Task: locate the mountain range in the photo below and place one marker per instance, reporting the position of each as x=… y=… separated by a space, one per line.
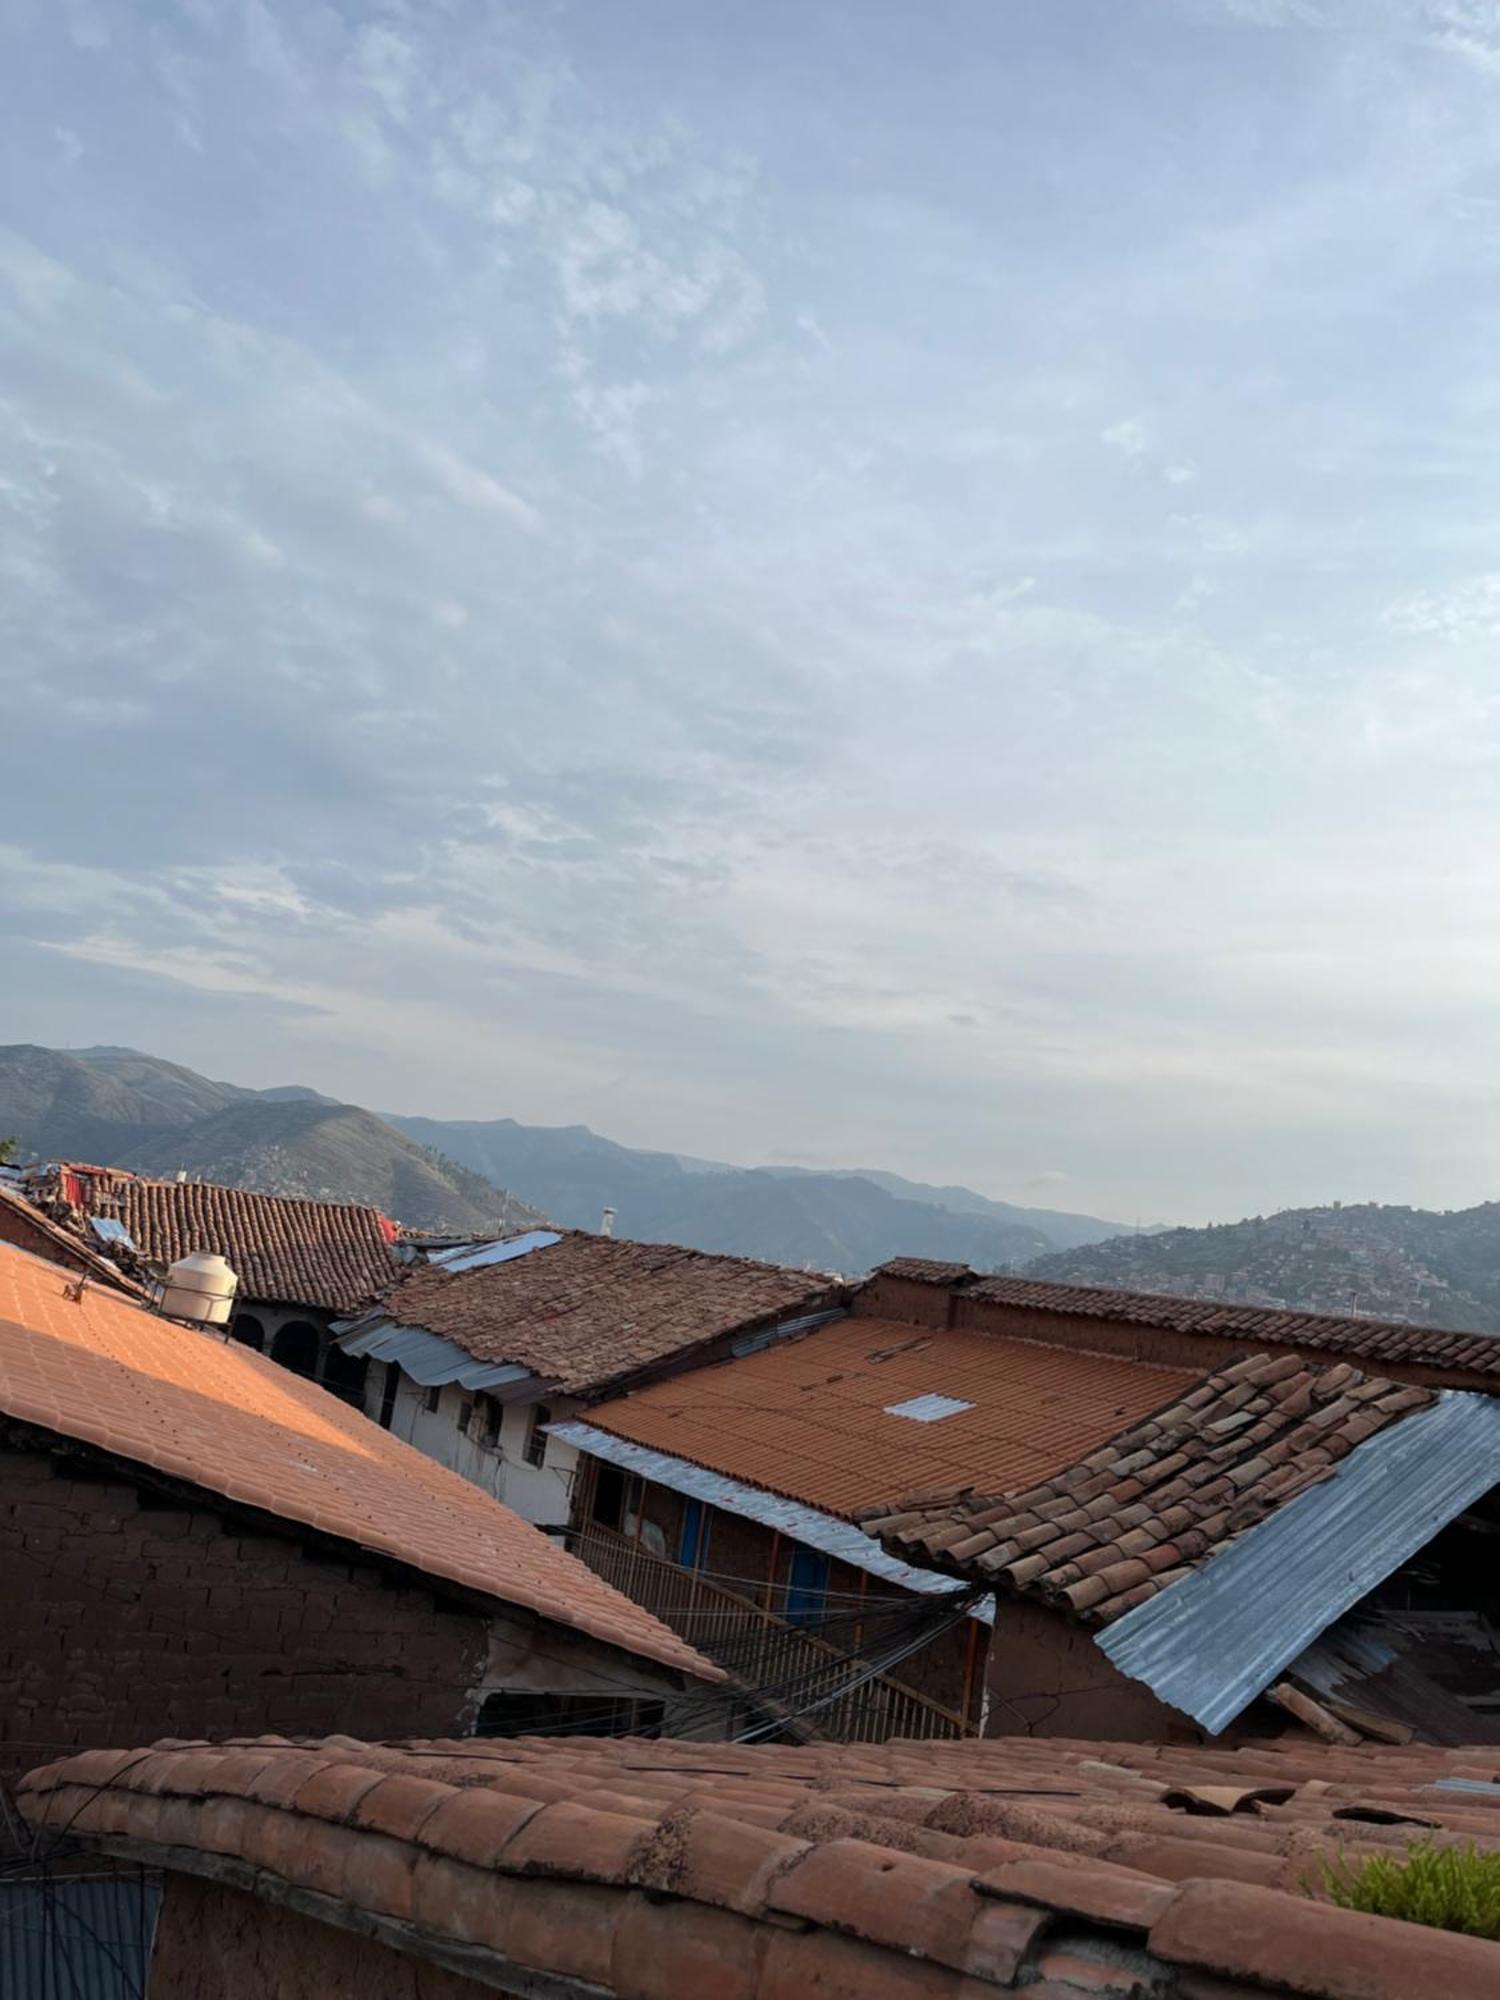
x=842 y=1221
x=118 y=1107
x=1431 y=1267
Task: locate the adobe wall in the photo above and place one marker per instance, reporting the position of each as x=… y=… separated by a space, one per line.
x=125 y=1616
x=16 y=1227
x=1046 y=1677
x=906 y=1299
x=218 y=1941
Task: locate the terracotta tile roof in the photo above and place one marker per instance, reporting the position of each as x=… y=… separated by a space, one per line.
x=333 y=1256
x=910 y=1871
x=1159 y=1498
x=810 y=1417
x=209 y=1411
x=1332 y=1333
x=925 y=1270
x=587 y=1310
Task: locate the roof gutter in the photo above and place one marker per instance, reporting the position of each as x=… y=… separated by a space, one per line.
x=825 y=1532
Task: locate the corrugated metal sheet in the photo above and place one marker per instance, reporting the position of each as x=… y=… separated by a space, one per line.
x=430 y=1360
x=783 y=1329
x=788 y=1517
x=71 y=1939
x=1211 y=1643
x=473 y=1256
x=110 y=1229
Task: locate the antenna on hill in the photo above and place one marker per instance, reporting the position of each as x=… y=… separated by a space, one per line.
x=607 y=1223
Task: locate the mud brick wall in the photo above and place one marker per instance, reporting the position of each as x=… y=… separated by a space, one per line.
x=126 y=1616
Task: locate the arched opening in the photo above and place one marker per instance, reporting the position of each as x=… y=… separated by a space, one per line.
x=344 y=1375
x=247 y=1328
x=296 y=1347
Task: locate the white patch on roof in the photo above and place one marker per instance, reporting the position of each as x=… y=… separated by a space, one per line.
x=928 y=1409
x=110 y=1230
x=474 y=1256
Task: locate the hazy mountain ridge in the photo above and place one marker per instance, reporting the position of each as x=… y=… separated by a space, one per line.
x=117 y=1108
x=843 y=1221
x=1434 y=1268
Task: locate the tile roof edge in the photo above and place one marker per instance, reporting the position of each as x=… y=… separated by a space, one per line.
x=479 y=1856
x=1180 y=1299
x=675 y=1654
x=575 y=1430
x=102 y=1268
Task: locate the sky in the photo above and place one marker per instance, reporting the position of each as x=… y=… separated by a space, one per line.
x=836 y=582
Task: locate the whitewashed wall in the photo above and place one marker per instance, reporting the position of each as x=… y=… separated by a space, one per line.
x=542 y=1494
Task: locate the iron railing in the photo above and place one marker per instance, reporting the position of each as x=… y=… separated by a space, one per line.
x=766 y=1653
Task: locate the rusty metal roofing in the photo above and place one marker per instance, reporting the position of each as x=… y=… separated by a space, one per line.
x=1126 y=1521
x=829 y=1533
x=810 y=1418
x=198 y=1408
x=932 y=1871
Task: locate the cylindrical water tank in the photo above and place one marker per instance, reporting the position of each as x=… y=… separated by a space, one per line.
x=199 y=1287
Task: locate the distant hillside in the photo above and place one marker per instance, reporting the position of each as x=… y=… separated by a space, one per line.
x=118 y=1108
x=1432 y=1268
x=86 y=1104
x=1061 y=1229
x=837 y=1222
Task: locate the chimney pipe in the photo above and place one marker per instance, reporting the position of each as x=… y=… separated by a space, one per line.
x=607 y=1223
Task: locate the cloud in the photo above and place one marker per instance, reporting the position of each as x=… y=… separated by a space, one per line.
x=1128 y=436
x=544 y=573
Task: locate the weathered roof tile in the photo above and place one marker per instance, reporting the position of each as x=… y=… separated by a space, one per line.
x=587 y=1310
x=1168 y=1492
x=1056 y=1868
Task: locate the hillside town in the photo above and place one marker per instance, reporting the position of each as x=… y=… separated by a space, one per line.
x=559 y=1606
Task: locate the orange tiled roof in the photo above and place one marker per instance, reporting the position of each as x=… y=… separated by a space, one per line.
x=208 y=1411
x=1163 y=1496
x=910 y=1871
x=1372 y=1340
x=588 y=1310
x=808 y=1417
x=333 y=1256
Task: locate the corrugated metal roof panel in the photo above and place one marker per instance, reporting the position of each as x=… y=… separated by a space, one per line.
x=1211 y=1643
x=788 y=1517
x=77 y=1939
x=783 y=1329
x=430 y=1360
x=109 y=1229
x=474 y=1256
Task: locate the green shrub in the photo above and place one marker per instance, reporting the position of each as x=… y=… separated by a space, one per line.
x=1449 y=1888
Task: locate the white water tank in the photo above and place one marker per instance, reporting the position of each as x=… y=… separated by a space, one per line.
x=199 y=1287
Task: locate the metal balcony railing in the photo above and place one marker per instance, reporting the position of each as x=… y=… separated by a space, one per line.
x=766 y=1652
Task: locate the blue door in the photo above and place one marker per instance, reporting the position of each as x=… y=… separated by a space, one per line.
x=807 y=1588
x=692 y=1543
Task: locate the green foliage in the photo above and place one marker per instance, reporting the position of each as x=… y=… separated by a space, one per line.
x=1448 y=1888
x=8 y=1150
